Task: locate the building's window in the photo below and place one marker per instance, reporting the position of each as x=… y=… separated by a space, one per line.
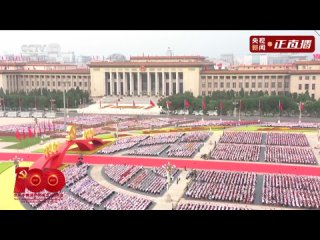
x=273 y=85
x=221 y=77
x=203 y=77
x=53 y=84
x=74 y=84
x=58 y=83
x=313 y=86
x=209 y=84
x=209 y=93
x=253 y=85
x=279 y=84
x=80 y=84
x=234 y=77
x=246 y=77
x=240 y=84
x=209 y=77
x=247 y=85
x=228 y=85
x=286 y=84
x=266 y=77
x=259 y=84
x=27 y=83
x=21 y=83
x=313 y=77
x=86 y=84
x=42 y=83
x=306 y=77
x=215 y=85
x=259 y=77
x=79 y=77
x=273 y=77
x=32 y=83
x=234 y=85
x=203 y=93
x=253 y=77
x=300 y=86
x=240 y=77
x=203 y=85
x=215 y=77
x=306 y=87
x=69 y=84
x=279 y=77
x=312 y=95
x=41 y=76
x=266 y=84
x=48 y=83
x=37 y=83
x=227 y=77
x=221 y=85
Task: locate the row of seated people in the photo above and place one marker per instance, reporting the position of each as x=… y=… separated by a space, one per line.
x=242 y=137
x=223 y=186
x=184 y=149
x=68 y=202
x=291 y=191
x=74 y=173
x=291 y=124
x=127 y=202
x=162 y=172
x=113 y=148
x=236 y=152
x=195 y=137
x=131 y=139
x=121 y=174
x=161 y=139
x=290 y=155
x=216 y=123
x=90 y=191
x=89 y=120
x=154 y=150
x=287 y=139
x=148 y=182
x=205 y=206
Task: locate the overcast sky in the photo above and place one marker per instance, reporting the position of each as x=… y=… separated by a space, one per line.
x=130 y=43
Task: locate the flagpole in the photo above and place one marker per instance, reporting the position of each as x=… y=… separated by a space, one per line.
x=300 y=113
x=259 y=111
x=239 y=110
x=279 y=113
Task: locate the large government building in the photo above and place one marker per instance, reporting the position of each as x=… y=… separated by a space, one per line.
x=162 y=76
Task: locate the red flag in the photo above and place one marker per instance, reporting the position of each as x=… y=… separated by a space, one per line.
x=186 y=104
x=34 y=131
x=241 y=105
x=133 y=103
x=23 y=134
x=29 y=132
x=301 y=106
x=40 y=132
x=152 y=103
x=169 y=104
x=280 y=106
x=221 y=105
x=204 y=104
x=18 y=136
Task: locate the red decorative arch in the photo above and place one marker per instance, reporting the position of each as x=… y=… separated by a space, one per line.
x=55 y=160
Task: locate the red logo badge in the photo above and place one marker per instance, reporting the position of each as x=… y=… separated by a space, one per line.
x=282 y=44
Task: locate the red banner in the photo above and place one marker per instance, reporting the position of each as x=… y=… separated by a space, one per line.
x=282 y=44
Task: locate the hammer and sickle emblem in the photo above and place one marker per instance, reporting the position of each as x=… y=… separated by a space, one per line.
x=23 y=174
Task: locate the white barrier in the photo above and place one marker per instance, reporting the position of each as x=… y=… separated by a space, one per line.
x=25 y=114
x=37 y=114
x=12 y=114
x=50 y=115
x=2 y=114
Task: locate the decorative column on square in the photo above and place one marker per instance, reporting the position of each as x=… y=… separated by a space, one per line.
x=170 y=84
x=118 y=85
x=131 y=84
x=177 y=82
x=139 y=84
x=125 y=87
x=157 y=84
x=148 y=83
x=111 y=84
x=163 y=84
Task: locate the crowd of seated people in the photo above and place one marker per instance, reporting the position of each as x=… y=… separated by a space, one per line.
x=236 y=152
x=148 y=182
x=195 y=137
x=68 y=202
x=113 y=148
x=291 y=191
x=154 y=150
x=205 y=206
x=287 y=139
x=216 y=123
x=90 y=191
x=185 y=149
x=74 y=173
x=131 y=139
x=90 y=120
x=162 y=172
x=242 y=137
x=223 y=186
x=161 y=139
x=127 y=202
x=292 y=124
x=121 y=174
x=294 y=155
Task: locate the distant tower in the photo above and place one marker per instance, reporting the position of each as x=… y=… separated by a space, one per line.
x=169 y=52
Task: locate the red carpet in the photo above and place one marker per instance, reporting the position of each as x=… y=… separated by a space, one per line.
x=181 y=163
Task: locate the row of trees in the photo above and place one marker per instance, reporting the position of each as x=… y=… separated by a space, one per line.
x=42 y=99
x=269 y=104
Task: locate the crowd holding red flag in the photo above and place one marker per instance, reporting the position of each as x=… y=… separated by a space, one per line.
x=301 y=106
x=30 y=135
x=204 y=104
x=18 y=136
x=280 y=106
x=221 y=105
x=169 y=104
x=186 y=104
x=152 y=103
x=23 y=134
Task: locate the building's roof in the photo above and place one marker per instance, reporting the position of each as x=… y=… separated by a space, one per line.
x=234 y=72
x=149 y=64
x=63 y=71
x=165 y=57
